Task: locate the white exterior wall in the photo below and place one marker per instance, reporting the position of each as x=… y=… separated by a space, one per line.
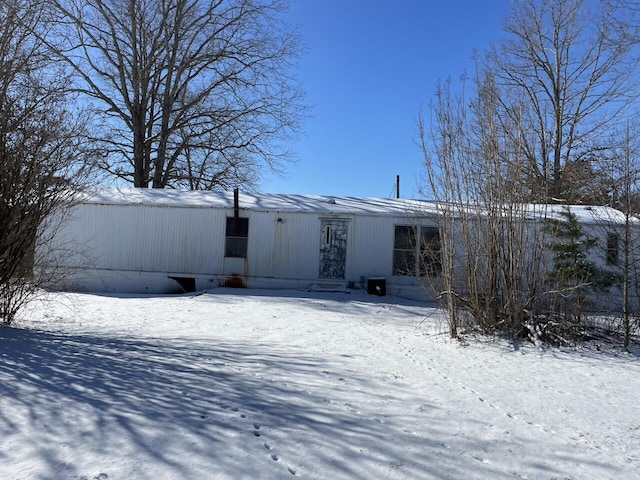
x=135 y=248
x=147 y=238
x=286 y=250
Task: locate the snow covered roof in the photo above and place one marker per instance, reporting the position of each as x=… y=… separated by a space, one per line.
x=259 y=201
x=584 y=213
x=320 y=204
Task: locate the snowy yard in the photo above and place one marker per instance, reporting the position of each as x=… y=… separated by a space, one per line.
x=247 y=384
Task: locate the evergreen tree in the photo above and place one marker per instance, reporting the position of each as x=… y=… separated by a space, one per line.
x=573 y=275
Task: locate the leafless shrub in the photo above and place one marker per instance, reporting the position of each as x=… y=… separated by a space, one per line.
x=40 y=152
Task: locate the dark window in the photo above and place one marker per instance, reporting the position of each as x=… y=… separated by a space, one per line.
x=236 y=237
x=612 y=249
x=406 y=250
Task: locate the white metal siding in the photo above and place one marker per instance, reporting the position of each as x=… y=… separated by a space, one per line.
x=371 y=247
x=287 y=250
x=190 y=241
x=144 y=238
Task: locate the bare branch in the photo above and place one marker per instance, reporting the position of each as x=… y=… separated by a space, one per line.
x=180 y=76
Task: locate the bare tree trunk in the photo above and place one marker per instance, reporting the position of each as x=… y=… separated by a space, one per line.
x=626 y=269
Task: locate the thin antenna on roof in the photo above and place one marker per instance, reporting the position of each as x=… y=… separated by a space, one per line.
x=397 y=186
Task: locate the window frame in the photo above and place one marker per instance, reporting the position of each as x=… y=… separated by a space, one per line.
x=430 y=251
x=404 y=250
x=418 y=260
x=236 y=240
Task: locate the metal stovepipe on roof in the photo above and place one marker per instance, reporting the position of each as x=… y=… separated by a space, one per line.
x=236 y=206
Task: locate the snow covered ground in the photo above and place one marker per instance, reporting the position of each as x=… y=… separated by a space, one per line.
x=248 y=384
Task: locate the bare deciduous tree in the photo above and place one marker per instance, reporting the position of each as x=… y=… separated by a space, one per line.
x=186 y=93
x=532 y=126
x=565 y=74
x=491 y=268
x=39 y=151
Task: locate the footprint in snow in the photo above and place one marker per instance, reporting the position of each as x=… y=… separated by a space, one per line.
x=99 y=476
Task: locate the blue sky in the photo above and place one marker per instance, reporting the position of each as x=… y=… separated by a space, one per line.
x=368 y=68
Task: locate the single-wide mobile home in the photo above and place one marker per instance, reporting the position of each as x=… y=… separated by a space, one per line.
x=167 y=241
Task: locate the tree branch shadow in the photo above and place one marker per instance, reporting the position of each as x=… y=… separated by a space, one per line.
x=197 y=408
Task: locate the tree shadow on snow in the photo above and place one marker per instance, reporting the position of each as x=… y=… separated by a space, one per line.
x=199 y=408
